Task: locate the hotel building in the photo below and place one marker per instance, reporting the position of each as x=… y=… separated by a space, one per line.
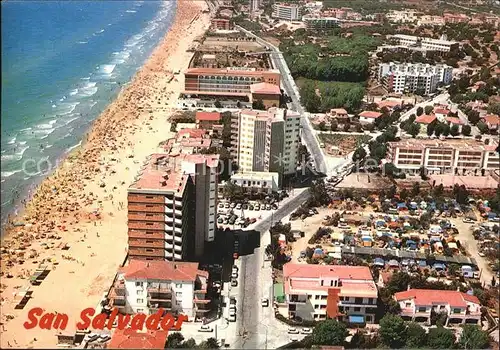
x=266 y=141
x=444 y=156
x=221 y=24
x=320 y=22
x=418 y=305
x=410 y=77
x=245 y=84
x=287 y=12
x=176 y=287
x=172 y=207
x=430 y=44
x=317 y=292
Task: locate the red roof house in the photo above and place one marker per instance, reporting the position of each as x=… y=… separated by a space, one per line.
x=131 y=339
x=492 y=121
x=425 y=119
x=208 y=116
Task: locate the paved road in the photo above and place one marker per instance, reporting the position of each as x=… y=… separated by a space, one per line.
x=288 y=84
x=249 y=321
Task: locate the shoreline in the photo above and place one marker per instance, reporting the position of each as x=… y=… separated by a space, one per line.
x=82 y=203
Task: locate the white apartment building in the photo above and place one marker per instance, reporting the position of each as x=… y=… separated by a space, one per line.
x=317 y=292
x=257 y=181
x=441 y=45
x=146 y=286
x=267 y=141
x=286 y=12
x=411 y=78
x=320 y=22
x=254 y=6
x=409 y=16
x=418 y=304
x=444 y=156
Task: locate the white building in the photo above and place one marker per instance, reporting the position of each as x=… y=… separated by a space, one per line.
x=287 y=12
x=257 y=181
x=267 y=141
x=407 y=16
x=317 y=292
x=430 y=44
x=418 y=305
x=146 y=286
x=414 y=77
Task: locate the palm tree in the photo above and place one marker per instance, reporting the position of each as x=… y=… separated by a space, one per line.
x=210 y=343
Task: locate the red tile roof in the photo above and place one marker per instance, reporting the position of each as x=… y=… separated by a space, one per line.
x=192 y=133
x=338 y=111
x=427 y=297
x=425 y=119
x=208 y=116
x=162 y=270
x=370 y=114
x=265 y=88
x=441 y=111
x=454 y=120
x=491 y=119
x=388 y=104
x=132 y=339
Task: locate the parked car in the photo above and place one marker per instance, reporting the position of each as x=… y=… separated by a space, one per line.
x=232 y=301
x=227 y=205
x=250 y=207
x=234 y=282
x=306 y=331
x=238 y=206
x=244 y=206
x=205 y=328
x=234 y=275
x=257 y=206
x=235 y=268
x=293 y=330
x=252 y=220
x=268 y=207
x=265 y=302
x=220 y=220
x=232 y=318
x=221 y=205
x=274 y=207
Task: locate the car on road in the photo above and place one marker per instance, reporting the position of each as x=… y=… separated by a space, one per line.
x=238 y=206
x=234 y=282
x=250 y=207
x=265 y=302
x=252 y=220
x=257 y=206
x=206 y=328
x=220 y=220
x=268 y=207
x=306 y=331
x=232 y=318
x=234 y=268
x=227 y=205
x=234 y=275
x=274 y=207
x=481 y=254
x=232 y=312
x=232 y=205
x=221 y=205
x=244 y=206
x=293 y=330
x=232 y=301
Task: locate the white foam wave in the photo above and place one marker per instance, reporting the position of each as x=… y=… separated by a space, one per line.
x=54 y=106
x=48 y=146
x=74 y=92
x=83 y=42
x=73 y=147
x=70 y=120
x=67 y=108
x=22 y=143
x=5 y=174
x=88 y=89
x=107 y=68
x=44 y=132
x=21 y=152
x=25 y=129
x=6 y=157
x=131 y=11
x=98 y=32
x=12 y=141
x=85 y=78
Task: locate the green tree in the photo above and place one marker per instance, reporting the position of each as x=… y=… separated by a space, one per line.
x=359 y=154
x=334 y=126
x=398 y=282
x=494 y=108
x=473 y=337
x=483 y=128
x=466 y=130
x=330 y=332
x=393 y=331
x=428 y=109
x=431 y=128
x=217 y=104
x=413 y=129
x=210 y=343
x=232 y=190
x=322 y=126
x=440 y=338
x=416 y=336
x=455 y=130
x=347 y=126
x=473 y=116
x=258 y=104
x=189 y=344
x=174 y=340
x=446 y=129
x=420 y=111
x=390 y=170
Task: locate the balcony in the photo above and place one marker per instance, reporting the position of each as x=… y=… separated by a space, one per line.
x=169 y=201
x=169 y=237
x=169 y=228
x=169 y=246
x=155 y=305
x=177 y=239
x=178 y=230
x=298 y=300
x=169 y=210
x=177 y=257
x=178 y=249
x=178 y=221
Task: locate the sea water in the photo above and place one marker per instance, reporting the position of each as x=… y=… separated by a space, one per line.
x=62 y=64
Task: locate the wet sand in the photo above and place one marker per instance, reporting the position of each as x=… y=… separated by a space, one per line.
x=83 y=204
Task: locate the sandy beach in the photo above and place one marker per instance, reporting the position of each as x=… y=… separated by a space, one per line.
x=83 y=205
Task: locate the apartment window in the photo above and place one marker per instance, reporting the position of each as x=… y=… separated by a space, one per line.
x=357 y=309
x=140 y=310
x=149 y=214
x=322 y=307
x=149 y=232
x=178 y=294
x=149 y=241
x=138 y=284
x=457 y=311
x=150 y=197
x=324 y=297
x=149 y=224
x=316 y=307
x=139 y=292
x=178 y=285
x=150 y=250
x=421 y=309
x=140 y=301
x=178 y=303
x=309 y=297
x=316 y=297
x=358 y=300
x=149 y=205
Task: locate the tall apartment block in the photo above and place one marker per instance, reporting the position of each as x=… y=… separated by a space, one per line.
x=287 y=12
x=411 y=78
x=266 y=141
x=146 y=286
x=172 y=207
x=450 y=156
